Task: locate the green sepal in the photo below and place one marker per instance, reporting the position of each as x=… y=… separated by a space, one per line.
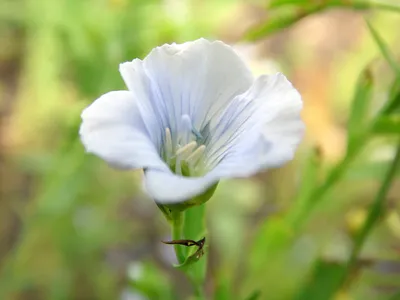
x=167 y=209
x=191 y=259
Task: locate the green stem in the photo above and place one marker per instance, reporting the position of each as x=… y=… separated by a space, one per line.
x=190 y=224
x=199 y=293
x=298 y=217
x=195 y=228
x=177 y=227
x=375 y=212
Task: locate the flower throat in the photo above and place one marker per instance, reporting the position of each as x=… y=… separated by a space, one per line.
x=184 y=151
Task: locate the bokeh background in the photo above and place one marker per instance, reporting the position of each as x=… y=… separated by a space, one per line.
x=73 y=228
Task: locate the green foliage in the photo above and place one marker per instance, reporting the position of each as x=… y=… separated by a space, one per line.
x=384 y=50
x=323 y=283
x=72 y=228
x=147 y=279
x=284 y=13
x=358 y=119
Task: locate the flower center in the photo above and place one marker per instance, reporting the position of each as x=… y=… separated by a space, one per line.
x=183 y=150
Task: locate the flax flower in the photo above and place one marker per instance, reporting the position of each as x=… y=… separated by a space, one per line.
x=193 y=114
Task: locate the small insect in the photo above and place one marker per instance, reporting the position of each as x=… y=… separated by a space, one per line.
x=187 y=243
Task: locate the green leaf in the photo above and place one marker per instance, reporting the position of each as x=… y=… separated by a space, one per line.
x=268 y=257
x=280 y=17
x=309 y=181
x=318 y=194
x=384 y=49
x=374 y=214
x=223 y=289
x=190 y=260
x=396 y=296
x=387 y=125
x=150 y=281
x=323 y=282
x=355 y=4
x=359 y=108
x=393 y=104
x=368 y=170
x=279 y=20
x=279 y=3
x=254 y=296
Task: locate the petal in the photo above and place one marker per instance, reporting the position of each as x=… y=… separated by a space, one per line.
x=167 y=188
x=197 y=79
x=283 y=129
x=112 y=128
x=261 y=131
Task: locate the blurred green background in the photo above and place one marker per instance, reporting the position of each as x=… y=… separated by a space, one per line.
x=325 y=226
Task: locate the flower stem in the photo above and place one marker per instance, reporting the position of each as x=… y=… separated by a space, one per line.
x=195 y=228
x=177 y=226
x=190 y=224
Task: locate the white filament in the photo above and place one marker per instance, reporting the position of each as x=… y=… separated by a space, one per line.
x=168 y=144
x=190 y=152
x=186 y=150
x=196 y=155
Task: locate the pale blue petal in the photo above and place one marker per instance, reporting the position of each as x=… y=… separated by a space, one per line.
x=112 y=128
x=152 y=113
x=197 y=79
x=260 y=129
x=166 y=187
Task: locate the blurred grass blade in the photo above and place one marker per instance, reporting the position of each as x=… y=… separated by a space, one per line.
x=355 y=4
x=278 y=21
x=279 y=3
x=309 y=181
x=265 y=258
x=393 y=103
x=150 y=282
x=369 y=171
x=378 y=205
x=387 y=125
x=254 y=296
x=323 y=282
x=223 y=288
x=395 y=296
x=374 y=214
x=301 y=4
x=359 y=109
x=384 y=49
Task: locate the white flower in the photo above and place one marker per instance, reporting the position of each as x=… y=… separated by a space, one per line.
x=193 y=115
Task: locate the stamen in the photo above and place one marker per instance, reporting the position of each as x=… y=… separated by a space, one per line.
x=178 y=167
x=186 y=150
x=168 y=144
x=195 y=156
x=185 y=130
x=183 y=153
